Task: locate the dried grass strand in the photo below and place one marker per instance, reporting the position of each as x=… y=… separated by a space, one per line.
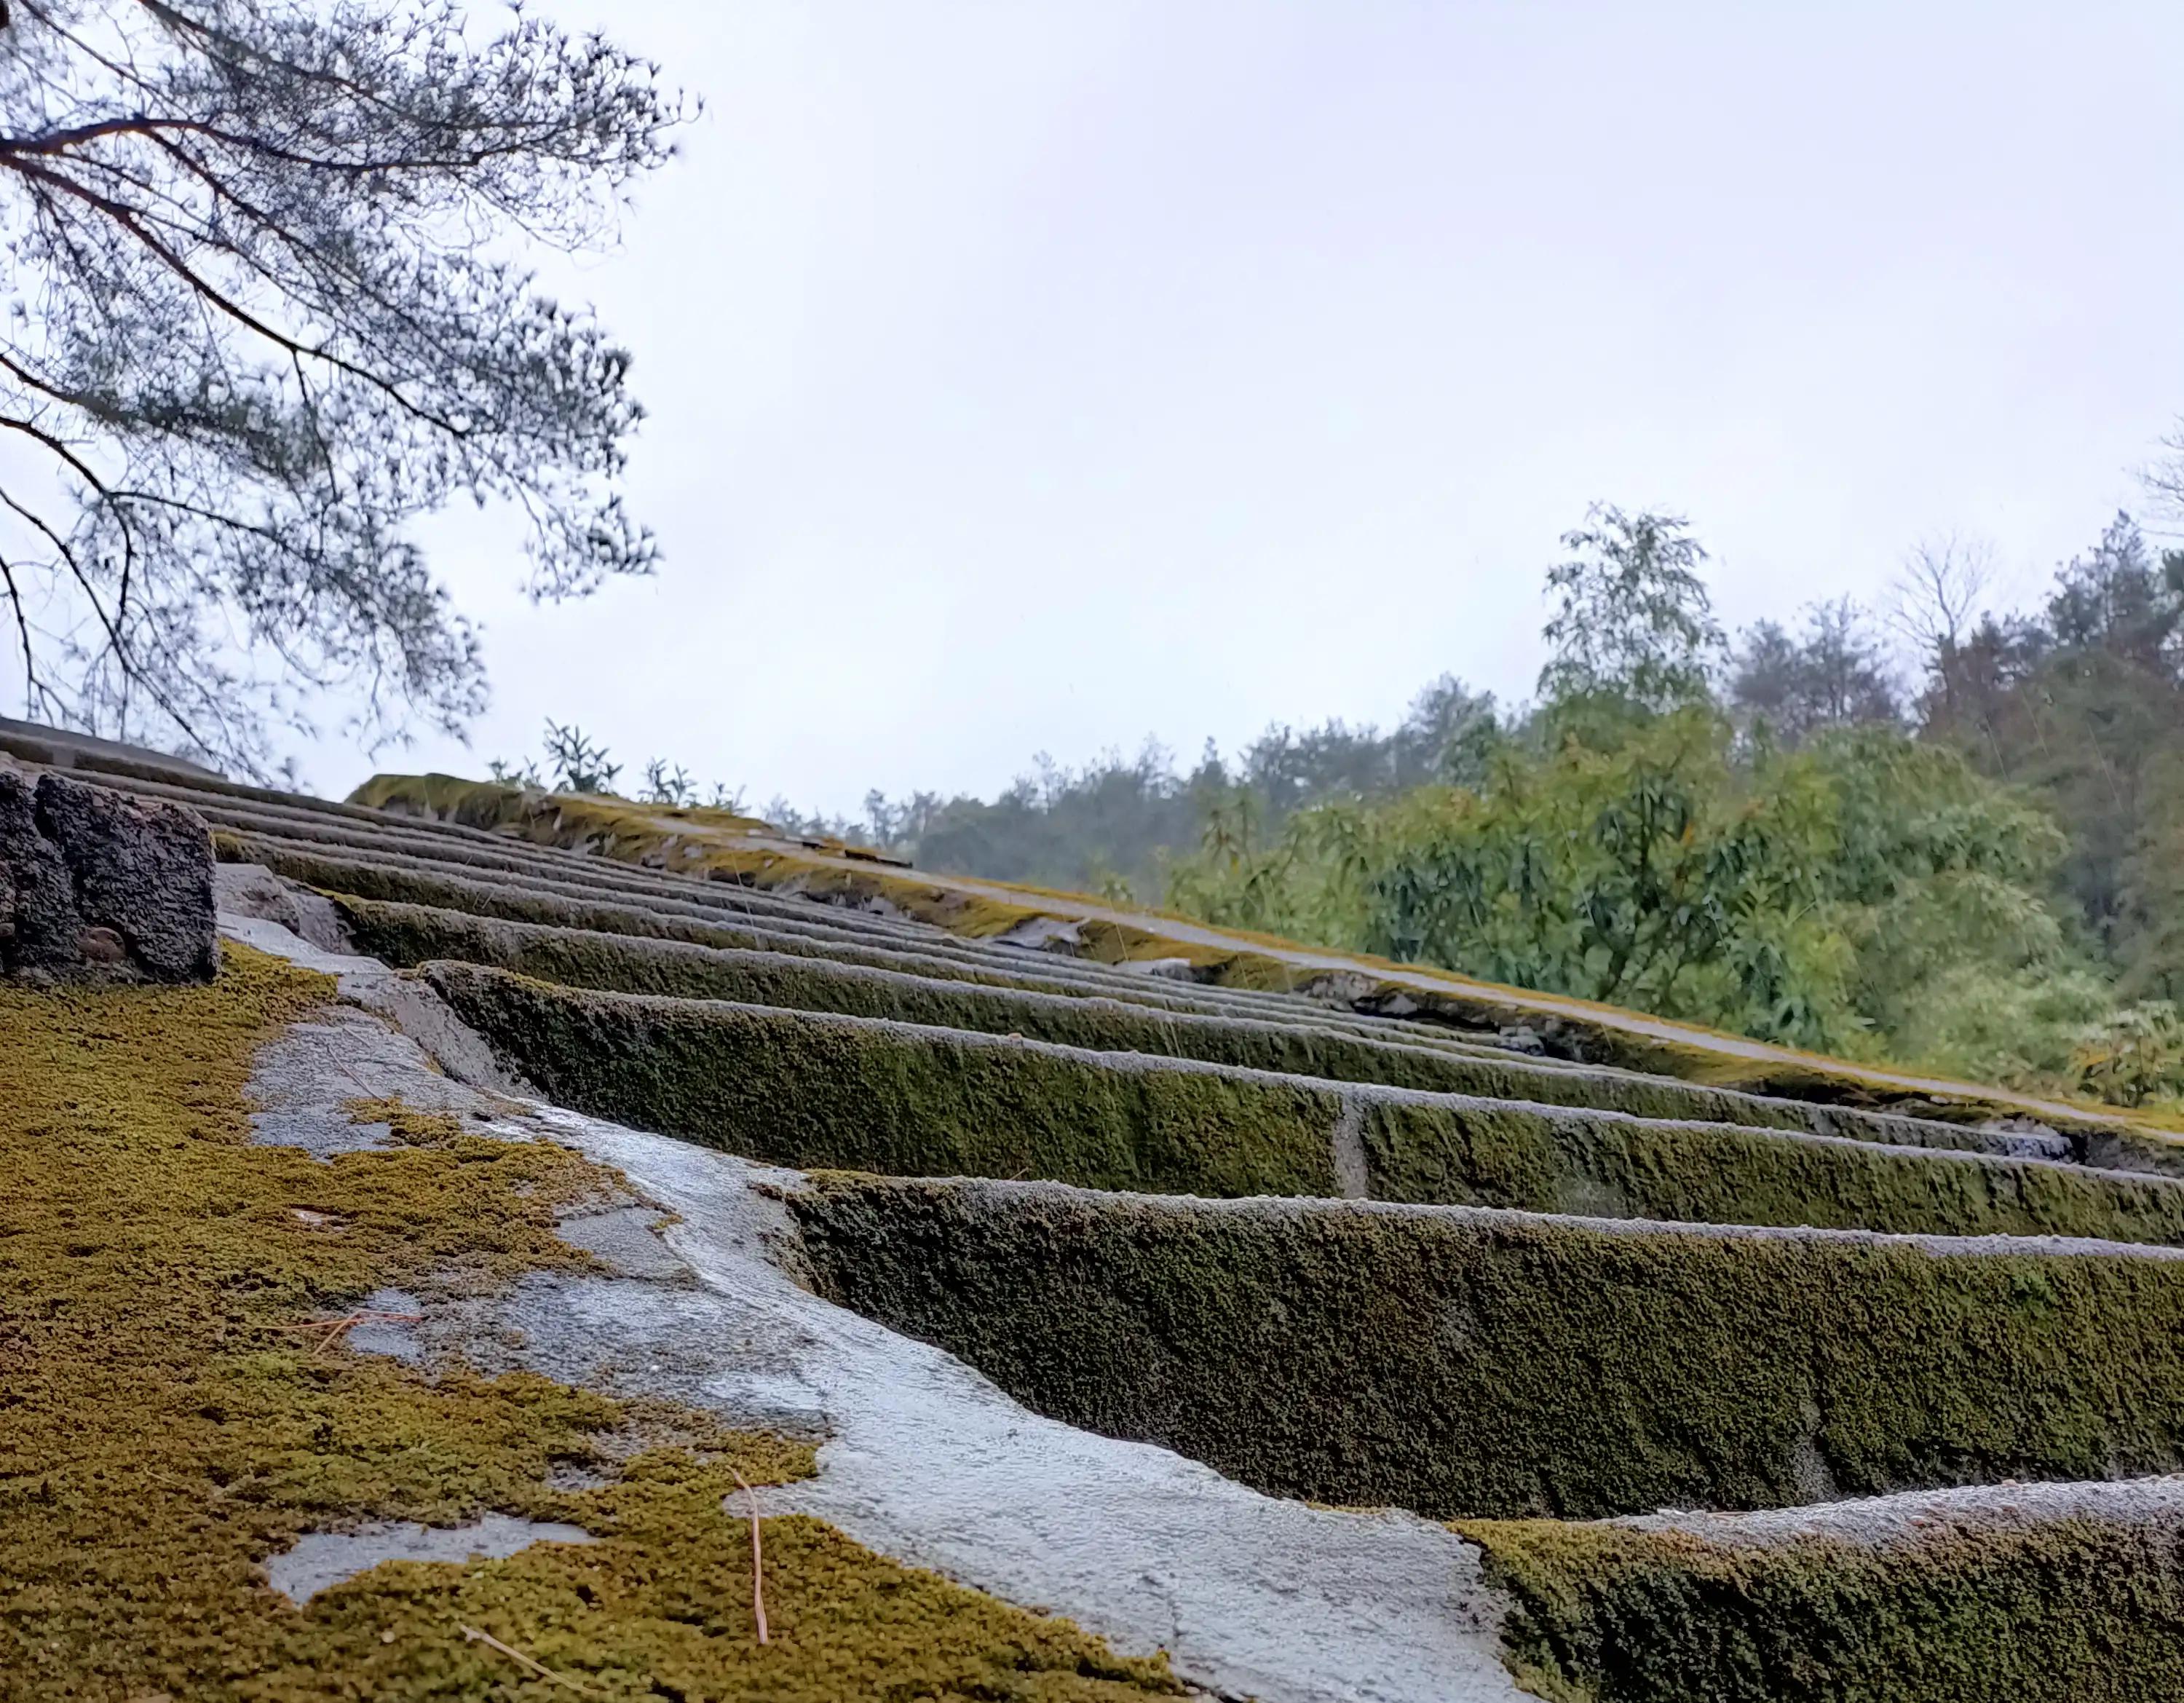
x=334 y=1329
x=474 y=1635
x=758 y=1559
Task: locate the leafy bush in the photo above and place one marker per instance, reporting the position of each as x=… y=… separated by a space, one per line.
x=1866 y=893
x=2133 y=1055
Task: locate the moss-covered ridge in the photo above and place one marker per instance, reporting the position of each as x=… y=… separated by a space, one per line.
x=666 y=908
x=2085 y=1607
x=760 y=857
x=1469 y=1363
x=1581 y=1029
x=799 y=1088
x=618 y=962
x=165 y=1423
x=660 y=835
x=602 y=908
x=501 y=857
x=555 y=887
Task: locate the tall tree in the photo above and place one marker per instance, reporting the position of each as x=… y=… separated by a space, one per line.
x=264 y=314
x=2084 y=702
x=1445 y=736
x=2165 y=478
x=1633 y=627
x=1835 y=675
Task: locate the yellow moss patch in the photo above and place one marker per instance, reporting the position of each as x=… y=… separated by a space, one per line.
x=163 y=1427
x=621 y=827
x=408 y=1123
x=661 y=1608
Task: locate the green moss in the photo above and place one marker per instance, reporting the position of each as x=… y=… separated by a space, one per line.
x=1794 y=1091
x=1544 y=1161
x=661 y=1607
x=405 y=1123
x=709 y=843
x=616 y=962
x=547 y=817
x=799 y=1088
x=1464 y=1362
x=164 y=1424
x=342 y=871
x=339 y=875
x=2078 y=1610
x=497 y=857
x=1823 y=1082
x=669 y=908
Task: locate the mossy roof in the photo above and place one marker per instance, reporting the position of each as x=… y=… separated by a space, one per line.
x=973 y=907
x=1309 y=1042
x=1468 y=1362
x=810 y=1089
x=175 y=1407
x=163 y=1410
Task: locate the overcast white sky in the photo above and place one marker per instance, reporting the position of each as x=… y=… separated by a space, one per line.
x=1043 y=376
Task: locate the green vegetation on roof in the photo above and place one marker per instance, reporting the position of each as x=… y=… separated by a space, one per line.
x=1308 y=1045
x=797 y=1087
x=165 y=1425
x=2083 y=1610
x=1493 y=1365
x=1575 y=1027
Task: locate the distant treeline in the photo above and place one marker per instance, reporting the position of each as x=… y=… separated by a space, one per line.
x=1116 y=826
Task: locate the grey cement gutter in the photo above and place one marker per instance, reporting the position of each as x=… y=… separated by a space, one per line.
x=922 y=1460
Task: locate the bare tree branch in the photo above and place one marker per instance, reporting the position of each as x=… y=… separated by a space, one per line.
x=1942 y=587
x=2165 y=478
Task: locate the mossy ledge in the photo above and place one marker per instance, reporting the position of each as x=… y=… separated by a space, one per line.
x=545 y=886
x=672 y=906
x=543 y=903
x=1470 y=1363
x=535 y=898
x=2087 y=1609
x=164 y=1424
x=808 y=1089
x=614 y=961
x=799 y=1088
